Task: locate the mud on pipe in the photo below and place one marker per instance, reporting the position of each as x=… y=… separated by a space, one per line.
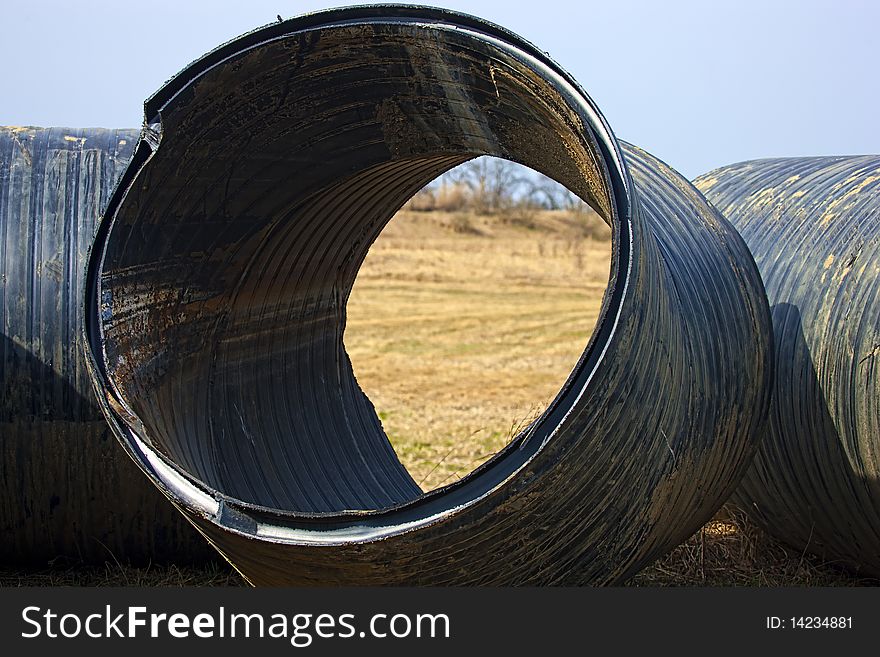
x=812 y=225
x=216 y=302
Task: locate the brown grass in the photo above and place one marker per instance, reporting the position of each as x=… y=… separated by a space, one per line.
x=462 y=328
x=731 y=551
x=115 y=574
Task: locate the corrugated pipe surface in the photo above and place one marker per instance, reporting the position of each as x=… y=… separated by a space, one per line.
x=216 y=304
x=813 y=225
x=66 y=490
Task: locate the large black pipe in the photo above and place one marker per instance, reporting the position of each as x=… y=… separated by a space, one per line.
x=66 y=490
x=216 y=301
x=813 y=225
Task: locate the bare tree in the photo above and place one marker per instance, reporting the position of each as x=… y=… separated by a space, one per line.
x=492 y=182
x=490 y=185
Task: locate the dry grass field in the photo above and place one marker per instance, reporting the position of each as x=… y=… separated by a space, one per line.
x=461 y=328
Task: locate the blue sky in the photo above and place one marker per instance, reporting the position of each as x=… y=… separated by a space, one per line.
x=698 y=84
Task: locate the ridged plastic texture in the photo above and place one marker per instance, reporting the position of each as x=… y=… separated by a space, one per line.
x=66 y=490
x=216 y=311
x=813 y=225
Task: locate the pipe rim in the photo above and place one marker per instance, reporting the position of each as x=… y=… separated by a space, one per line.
x=354 y=526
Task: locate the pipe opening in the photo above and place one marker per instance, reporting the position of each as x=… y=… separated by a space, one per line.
x=228 y=263
x=470 y=311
